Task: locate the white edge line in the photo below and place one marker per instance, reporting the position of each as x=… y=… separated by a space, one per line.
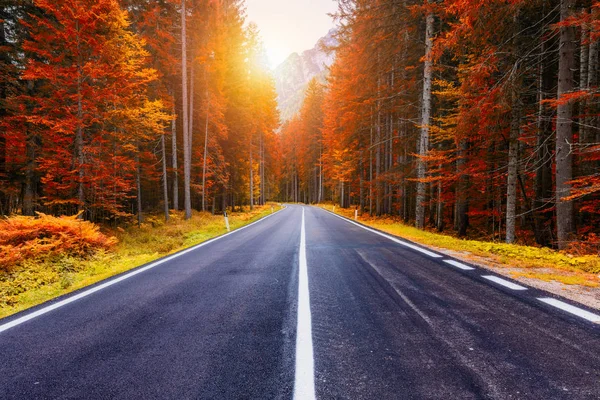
x=393 y=239
x=114 y=281
x=571 y=309
x=304 y=382
x=504 y=282
x=459 y=265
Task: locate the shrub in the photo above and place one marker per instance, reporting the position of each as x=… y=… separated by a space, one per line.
x=45 y=236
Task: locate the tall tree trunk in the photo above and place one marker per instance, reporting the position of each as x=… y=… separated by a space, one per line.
x=29 y=190
x=584 y=58
x=423 y=147
x=164 y=177
x=79 y=134
x=320 y=199
x=378 y=151
x=440 y=208
x=513 y=163
x=251 y=177
x=262 y=170
x=543 y=175
x=371 y=167
x=4 y=62
x=29 y=186
x=187 y=170
x=138 y=184
x=565 y=227
x=174 y=162
x=205 y=153
x=592 y=76
x=462 y=195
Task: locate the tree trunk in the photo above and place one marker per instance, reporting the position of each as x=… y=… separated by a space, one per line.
x=592 y=121
x=164 y=177
x=513 y=163
x=440 y=209
x=378 y=151
x=251 y=177
x=205 y=154
x=320 y=173
x=564 y=130
x=79 y=134
x=174 y=162
x=584 y=57
x=4 y=60
x=187 y=170
x=371 y=168
x=423 y=147
x=462 y=195
x=138 y=183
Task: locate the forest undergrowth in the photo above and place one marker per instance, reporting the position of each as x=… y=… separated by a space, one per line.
x=533 y=262
x=46 y=257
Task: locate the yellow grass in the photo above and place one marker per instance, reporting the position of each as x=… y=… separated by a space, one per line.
x=33 y=283
x=563 y=267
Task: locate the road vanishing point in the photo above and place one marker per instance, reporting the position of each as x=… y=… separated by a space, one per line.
x=302 y=305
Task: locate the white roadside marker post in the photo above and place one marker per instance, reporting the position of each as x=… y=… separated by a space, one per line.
x=356 y=214
x=226 y=221
x=334 y=209
x=272 y=211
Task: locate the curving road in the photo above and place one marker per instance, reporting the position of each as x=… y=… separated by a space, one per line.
x=303 y=304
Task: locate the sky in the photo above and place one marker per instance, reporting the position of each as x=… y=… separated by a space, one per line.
x=289 y=26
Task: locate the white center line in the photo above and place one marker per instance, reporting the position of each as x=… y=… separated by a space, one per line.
x=571 y=309
x=504 y=282
x=114 y=281
x=304 y=386
x=459 y=265
x=393 y=239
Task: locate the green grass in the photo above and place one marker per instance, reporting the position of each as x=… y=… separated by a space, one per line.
x=34 y=282
x=540 y=263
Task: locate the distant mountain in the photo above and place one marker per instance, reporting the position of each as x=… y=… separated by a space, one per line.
x=293 y=75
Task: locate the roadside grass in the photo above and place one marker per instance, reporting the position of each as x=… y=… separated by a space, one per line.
x=534 y=262
x=33 y=282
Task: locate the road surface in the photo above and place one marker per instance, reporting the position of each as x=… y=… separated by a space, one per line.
x=303 y=304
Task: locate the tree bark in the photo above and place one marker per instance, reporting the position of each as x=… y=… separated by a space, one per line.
x=174 y=162
x=164 y=177
x=79 y=134
x=251 y=177
x=187 y=201
x=138 y=184
x=462 y=197
x=543 y=176
x=205 y=154
x=423 y=147
x=565 y=227
x=513 y=163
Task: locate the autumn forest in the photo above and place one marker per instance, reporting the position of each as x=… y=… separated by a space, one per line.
x=481 y=118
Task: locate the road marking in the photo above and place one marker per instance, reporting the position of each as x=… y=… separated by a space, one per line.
x=114 y=281
x=393 y=239
x=459 y=265
x=304 y=385
x=571 y=309
x=504 y=282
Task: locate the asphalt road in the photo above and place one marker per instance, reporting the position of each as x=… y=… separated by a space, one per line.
x=235 y=319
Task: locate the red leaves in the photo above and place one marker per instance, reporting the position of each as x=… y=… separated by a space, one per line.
x=90 y=111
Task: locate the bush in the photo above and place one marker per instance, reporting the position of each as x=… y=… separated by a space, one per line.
x=44 y=236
